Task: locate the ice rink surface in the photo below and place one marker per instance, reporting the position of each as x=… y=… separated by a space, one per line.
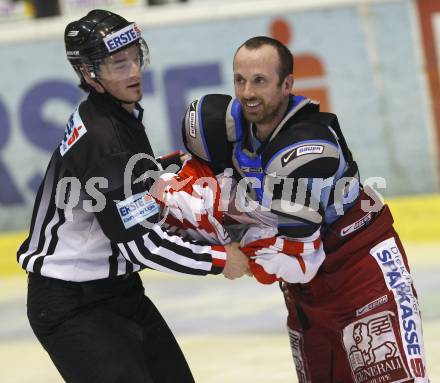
x=230 y=331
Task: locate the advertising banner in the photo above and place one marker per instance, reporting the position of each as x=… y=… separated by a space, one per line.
x=362 y=62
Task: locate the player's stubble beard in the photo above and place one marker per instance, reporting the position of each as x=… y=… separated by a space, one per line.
x=267 y=114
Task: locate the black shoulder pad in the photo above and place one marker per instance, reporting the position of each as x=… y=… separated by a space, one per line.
x=330 y=119
x=305 y=149
x=204 y=130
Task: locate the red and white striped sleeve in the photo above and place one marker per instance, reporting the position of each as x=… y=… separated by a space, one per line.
x=289 y=260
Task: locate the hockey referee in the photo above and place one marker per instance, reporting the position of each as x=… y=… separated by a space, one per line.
x=88 y=238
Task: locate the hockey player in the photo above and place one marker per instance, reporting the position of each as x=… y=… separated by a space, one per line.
x=353 y=314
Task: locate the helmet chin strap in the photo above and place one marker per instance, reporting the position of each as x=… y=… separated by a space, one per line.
x=118 y=100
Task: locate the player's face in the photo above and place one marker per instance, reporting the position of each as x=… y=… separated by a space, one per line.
x=257 y=84
x=121 y=74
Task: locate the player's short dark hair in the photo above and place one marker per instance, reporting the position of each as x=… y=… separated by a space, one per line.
x=284 y=54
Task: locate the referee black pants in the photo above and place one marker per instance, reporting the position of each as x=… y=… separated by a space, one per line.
x=104 y=332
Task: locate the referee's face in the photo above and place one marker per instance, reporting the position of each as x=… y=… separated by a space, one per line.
x=121 y=74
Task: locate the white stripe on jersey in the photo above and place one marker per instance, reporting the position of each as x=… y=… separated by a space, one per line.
x=178 y=258
x=47 y=234
x=42 y=211
x=196 y=249
x=163 y=251
x=147 y=262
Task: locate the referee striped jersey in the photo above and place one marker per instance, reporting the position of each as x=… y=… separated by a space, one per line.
x=67 y=241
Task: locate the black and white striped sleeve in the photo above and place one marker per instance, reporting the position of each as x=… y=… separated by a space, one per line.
x=158 y=250
x=133 y=222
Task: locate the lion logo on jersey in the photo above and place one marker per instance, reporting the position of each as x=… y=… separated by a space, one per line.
x=372 y=349
x=363 y=341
